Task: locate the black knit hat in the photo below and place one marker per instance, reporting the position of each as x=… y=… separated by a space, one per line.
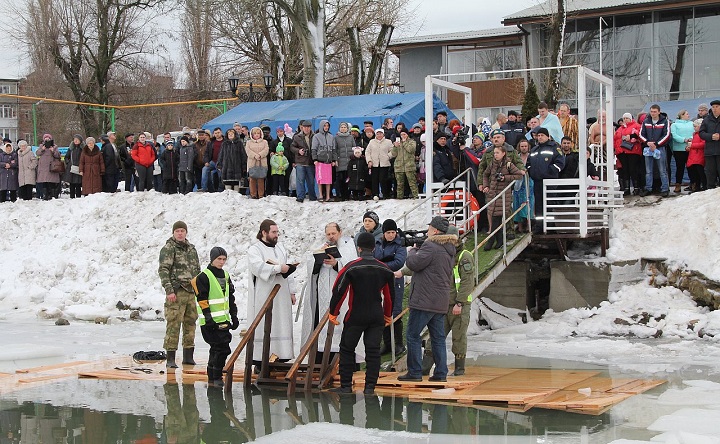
x=389 y=225
x=372 y=215
x=217 y=252
x=366 y=241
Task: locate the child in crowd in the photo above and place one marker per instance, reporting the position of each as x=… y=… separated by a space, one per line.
x=357 y=171
x=279 y=165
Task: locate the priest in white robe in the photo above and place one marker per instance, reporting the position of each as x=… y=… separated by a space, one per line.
x=318 y=290
x=268 y=265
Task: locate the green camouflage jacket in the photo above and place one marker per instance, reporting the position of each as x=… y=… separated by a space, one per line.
x=179 y=263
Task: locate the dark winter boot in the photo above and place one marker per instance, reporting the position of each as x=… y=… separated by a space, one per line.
x=459 y=365
x=170 y=362
x=342 y=390
x=489 y=244
x=497 y=222
x=188 y=356
x=369 y=389
x=625 y=186
x=427 y=362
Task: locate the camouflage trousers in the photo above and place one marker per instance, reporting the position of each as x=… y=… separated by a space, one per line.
x=181 y=313
x=412 y=183
x=182 y=419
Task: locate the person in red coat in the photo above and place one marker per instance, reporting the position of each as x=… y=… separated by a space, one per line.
x=628 y=149
x=144 y=155
x=92 y=168
x=696 y=160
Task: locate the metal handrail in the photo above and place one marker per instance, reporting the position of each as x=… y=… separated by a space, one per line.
x=438 y=192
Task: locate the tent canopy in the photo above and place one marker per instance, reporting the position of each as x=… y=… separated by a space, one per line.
x=406 y=108
x=673 y=107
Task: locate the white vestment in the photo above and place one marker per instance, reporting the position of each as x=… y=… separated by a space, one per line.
x=318 y=292
x=264 y=265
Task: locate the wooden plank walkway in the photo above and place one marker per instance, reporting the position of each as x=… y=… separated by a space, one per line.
x=513 y=389
x=579 y=391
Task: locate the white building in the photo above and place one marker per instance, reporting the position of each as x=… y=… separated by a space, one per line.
x=9 y=109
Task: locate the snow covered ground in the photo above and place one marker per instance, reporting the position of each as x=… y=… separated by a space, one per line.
x=79 y=258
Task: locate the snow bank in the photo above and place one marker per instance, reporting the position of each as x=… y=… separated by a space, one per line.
x=80 y=257
x=685 y=230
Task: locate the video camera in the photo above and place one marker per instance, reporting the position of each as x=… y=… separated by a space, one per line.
x=413 y=237
x=461 y=137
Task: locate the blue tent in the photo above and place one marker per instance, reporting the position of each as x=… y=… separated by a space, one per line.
x=406 y=108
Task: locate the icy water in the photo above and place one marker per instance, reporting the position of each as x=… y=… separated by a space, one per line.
x=101 y=411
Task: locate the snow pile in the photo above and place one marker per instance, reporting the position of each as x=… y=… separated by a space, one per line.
x=643 y=311
x=685 y=230
x=79 y=257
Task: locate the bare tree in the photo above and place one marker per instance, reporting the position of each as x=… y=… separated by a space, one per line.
x=367 y=83
x=86 y=41
x=199 y=55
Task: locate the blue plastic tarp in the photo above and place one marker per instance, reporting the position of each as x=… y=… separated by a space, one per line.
x=406 y=108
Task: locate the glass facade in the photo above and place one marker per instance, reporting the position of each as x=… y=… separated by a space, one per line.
x=484 y=59
x=651 y=56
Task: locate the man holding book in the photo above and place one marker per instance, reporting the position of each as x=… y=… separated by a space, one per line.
x=335 y=253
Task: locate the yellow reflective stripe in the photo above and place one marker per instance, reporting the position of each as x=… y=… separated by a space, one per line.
x=218 y=301
x=456 y=272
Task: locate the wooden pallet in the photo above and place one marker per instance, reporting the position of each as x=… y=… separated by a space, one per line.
x=578 y=391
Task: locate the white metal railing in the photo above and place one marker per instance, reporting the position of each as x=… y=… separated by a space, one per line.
x=568 y=207
x=457 y=209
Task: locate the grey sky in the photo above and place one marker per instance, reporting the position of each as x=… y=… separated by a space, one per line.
x=458 y=15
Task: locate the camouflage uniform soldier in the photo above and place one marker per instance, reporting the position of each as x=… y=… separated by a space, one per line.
x=458 y=315
x=179 y=263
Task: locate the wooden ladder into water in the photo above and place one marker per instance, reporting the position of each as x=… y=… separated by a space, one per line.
x=310 y=375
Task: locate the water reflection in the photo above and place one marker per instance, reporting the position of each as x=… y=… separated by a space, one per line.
x=195 y=414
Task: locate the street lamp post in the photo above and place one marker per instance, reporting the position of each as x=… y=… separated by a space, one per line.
x=251 y=96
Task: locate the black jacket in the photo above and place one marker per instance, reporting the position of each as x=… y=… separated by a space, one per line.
x=126 y=161
x=357 y=172
x=710 y=126
x=203 y=288
x=443 y=170
x=170 y=163
x=368 y=284
x=514 y=132
x=545 y=162
x=232 y=160
x=112 y=162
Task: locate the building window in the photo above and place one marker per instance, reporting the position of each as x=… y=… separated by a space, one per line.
x=8 y=111
x=482 y=60
x=7 y=89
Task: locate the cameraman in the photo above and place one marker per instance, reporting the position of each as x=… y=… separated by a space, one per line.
x=432 y=266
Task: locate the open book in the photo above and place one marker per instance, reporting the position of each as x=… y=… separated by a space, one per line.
x=322 y=254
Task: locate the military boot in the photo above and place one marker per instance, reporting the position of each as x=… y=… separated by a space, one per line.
x=459 y=365
x=188 y=356
x=170 y=362
x=427 y=362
